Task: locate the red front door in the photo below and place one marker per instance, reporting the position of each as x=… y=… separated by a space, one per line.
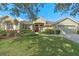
x=36 y=29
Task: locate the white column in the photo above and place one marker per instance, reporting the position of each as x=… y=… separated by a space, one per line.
x=14 y=27
x=31 y=27
x=5 y=26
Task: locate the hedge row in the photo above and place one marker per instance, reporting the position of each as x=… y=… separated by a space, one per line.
x=51 y=31
x=24 y=33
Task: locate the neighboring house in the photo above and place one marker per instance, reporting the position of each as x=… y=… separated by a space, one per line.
x=8 y=23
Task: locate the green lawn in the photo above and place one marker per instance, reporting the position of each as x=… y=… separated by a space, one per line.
x=38 y=45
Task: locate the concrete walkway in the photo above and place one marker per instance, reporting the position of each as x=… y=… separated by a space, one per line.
x=73 y=37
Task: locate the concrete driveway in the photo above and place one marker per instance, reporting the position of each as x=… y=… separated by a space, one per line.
x=70 y=34
x=73 y=37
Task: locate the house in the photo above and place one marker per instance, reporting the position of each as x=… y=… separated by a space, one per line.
x=67 y=25
x=8 y=23
x=40 y=24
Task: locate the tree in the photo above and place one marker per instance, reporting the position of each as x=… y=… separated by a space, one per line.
x=72 y=8
x=30 y=9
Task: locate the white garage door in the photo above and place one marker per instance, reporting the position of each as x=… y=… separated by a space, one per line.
x=68 y=28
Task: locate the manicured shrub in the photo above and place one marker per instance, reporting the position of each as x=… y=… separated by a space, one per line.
x=51 y=31
x=24 y=33
x=3 y=33
x=48 y=31
x=57 y=31
x=11 y=33
x=77 y=31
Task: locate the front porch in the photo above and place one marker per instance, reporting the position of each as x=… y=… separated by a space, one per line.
x=11 y=25
x=37 y=27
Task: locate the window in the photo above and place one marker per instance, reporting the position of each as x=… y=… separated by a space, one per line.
x=9 y=26
x=27 y=27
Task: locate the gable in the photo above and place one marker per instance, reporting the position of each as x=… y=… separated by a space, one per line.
x=40 y=20
x=6 y=18
x=67 y=21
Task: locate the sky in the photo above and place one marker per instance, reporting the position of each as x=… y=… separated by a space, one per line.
x=47 y=13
